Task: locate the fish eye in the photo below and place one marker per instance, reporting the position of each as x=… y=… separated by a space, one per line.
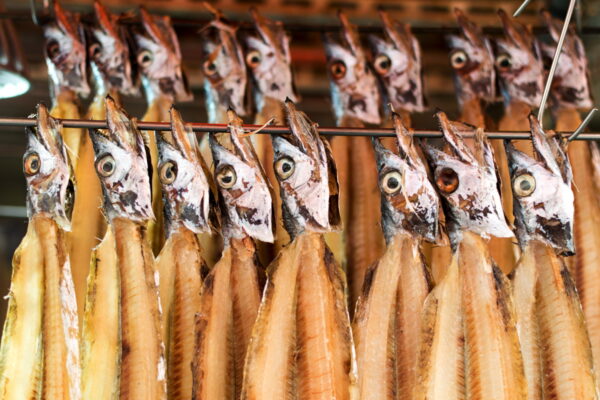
x=95 y=50
x=503 y=62
x=382 y=64
x=226 y=177
x=446 y=180
x=391 y=182
x=210 y=68
x=144 y=58
x=458 y=59
x=524 y=185
x=52 y=49
x=32 y=164
x=253 y=58
x=338 y=69
x=106 y=165
x=168 y=172
x=284 y=167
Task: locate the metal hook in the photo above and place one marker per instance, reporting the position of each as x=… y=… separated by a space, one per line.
x=583 y=124
x=33 y=4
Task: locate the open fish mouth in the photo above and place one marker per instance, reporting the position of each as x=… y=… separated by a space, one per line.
x=357 y=104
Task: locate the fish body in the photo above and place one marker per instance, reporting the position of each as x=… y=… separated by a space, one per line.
x=121 y=165
x=301 y=345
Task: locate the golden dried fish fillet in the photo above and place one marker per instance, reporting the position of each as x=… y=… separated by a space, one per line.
x=387 y=323
x=441 y=362
x=493 y=361
x=21 y=347
x=101 y=339
x=301 y=344
x=230 y=300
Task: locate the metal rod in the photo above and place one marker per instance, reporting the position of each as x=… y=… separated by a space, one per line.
x=521 y=8
x=281 y=130
x=583 y=124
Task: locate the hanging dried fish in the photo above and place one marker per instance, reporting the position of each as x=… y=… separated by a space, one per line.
x=39 y=354
x=188 y=204
x=301 y=344
x=554 y=340
x=231 y=292
x=159 y=59
x=387 y=324
x=470 y=346
x=356 y=102
x=122 y=166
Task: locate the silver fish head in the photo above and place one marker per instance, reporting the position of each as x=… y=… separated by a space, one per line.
x=307 y=177
x=472 y=60
x=269 y=60
x=543 y=198
x=571 y=84
x=409 y=202
x=354 y=89
x=224 y=67
x=65 y=51
x=468 y=182
x=47 y=171
x=519 y=63
x=108 y=51
x=244 y=193
x=159 y=58
x=122 y=167
x=185 y=187
x=396 y=58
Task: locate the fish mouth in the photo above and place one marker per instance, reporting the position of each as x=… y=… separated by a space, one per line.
x=357 y=104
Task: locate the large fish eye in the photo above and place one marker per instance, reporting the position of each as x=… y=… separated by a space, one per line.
x=382 y=64
x=106 y=165
x=226 y=177
x=32 y=164
x=253 y=58
x=144 y=58
x=168 y=172
x=391 y=182
x=52 y=49
x=284 y=167
x=504 y=62
x=458 y=59
x=524 y=185
x=338 y=69
x=446 y=180
x=95 y=50
x=210 y=68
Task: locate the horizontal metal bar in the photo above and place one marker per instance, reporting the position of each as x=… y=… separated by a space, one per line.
x=280 y=130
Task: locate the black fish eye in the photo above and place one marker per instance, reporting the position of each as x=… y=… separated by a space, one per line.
x=31 y=164
x=52 y=49
x=106 y=166
x=226 y=177
x=524 y=185
x=382 y=64
x=447 y=180
x=459 y=59
x=284 y=167
x=504 y=62
x=391 y=182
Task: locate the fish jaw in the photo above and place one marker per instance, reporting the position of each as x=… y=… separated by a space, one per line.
x=125 y=182
x=109 y=53
x=185 y=187
x=225 y=73
x=159 y=58
x=522 y=76
x=47 y=171
x=354 y=88
x=476 y=77
x=246 y=204
x=65 y=52
x=401 y=72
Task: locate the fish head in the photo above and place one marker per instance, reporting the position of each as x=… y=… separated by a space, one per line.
x=409 y=202
x=307 y=178
x=50 y=190
x=158 y=57
x=65 y=51
x=467 y=180
x=519 y=63
x=571 y=84
x=354 y=88
x=185 y=187
x=225 y=73
x=108 y=50
x=269 y=60
x=541 y=185
x=472 y=60
x=244 y=192
x=396 y=59
x=122 y=166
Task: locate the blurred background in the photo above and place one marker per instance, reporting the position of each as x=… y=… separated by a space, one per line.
x=308 y=60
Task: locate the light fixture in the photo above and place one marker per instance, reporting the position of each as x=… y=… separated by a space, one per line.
x=13 y=77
